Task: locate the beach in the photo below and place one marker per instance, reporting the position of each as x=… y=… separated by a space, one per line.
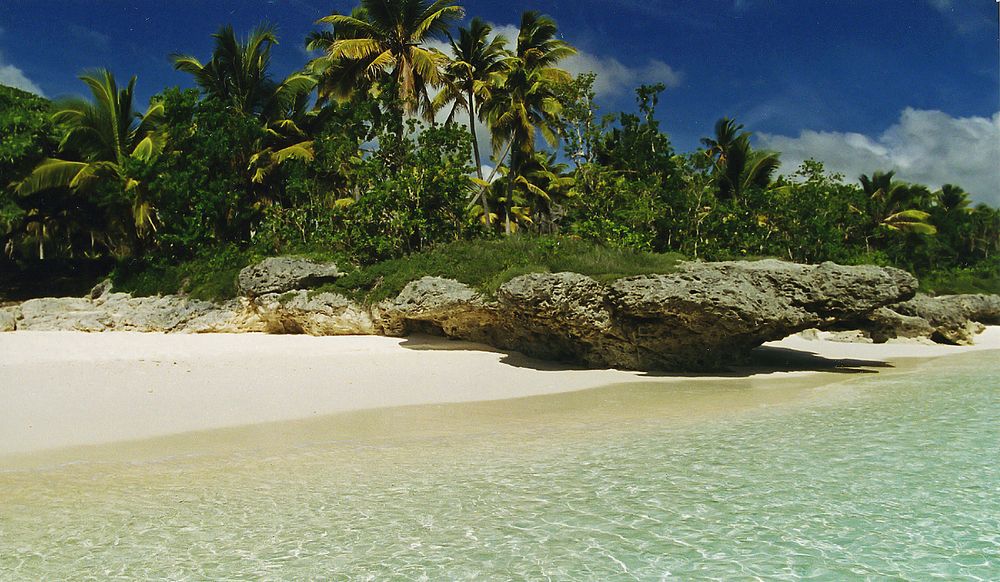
x=68 y=389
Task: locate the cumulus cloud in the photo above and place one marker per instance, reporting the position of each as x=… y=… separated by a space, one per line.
x=929 y=147
x=615 y=78
x=15 y=77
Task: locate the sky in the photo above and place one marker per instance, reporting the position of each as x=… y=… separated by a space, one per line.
x=863 y=85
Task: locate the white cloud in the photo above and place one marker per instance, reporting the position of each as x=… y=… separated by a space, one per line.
x=15 y=77
x=615 y=78
x=928 y=147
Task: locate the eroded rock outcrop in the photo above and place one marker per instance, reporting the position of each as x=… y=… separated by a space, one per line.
x=953 y=319
x=8 y=318
x=122 y=312
x=319 y=314
x=284 y=274
x=704 y=316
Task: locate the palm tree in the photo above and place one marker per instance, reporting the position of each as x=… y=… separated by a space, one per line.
x=382 y=41
x=478 y=65
x=238 y=74
x=953 y=199
x=895 y=206
x=104 y=133
x=528 y=102
x=737 y=166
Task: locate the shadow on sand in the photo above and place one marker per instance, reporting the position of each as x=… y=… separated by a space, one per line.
x=763 y=360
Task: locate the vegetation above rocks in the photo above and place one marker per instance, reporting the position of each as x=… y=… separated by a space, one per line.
x=368 y=155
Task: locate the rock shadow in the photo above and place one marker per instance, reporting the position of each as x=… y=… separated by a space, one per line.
x=763 y=360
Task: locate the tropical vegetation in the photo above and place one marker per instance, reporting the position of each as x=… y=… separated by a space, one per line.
x=414 y=142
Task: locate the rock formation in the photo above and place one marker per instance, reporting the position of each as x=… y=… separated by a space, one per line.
x=950 y=319
x=321 y=314
x=284 y=274
x=704 y=316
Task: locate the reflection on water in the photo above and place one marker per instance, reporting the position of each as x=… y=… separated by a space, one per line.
x=892 y=475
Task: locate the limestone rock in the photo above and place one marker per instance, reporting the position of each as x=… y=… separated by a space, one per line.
x=953 y=319
x=100 y=290
x=8 y=319
x=122 y=312
x=324 y=314
x=283 y=274
x=706 y=315
x=436 y=305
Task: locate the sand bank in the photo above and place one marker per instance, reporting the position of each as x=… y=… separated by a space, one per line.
x=65 y=389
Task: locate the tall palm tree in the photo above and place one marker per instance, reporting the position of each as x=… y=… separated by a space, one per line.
x=238 y=74
x=104 y=133
x=895 y=206
x=528 y=102
x=737 y=166
x=383 y=41
x=478 y=64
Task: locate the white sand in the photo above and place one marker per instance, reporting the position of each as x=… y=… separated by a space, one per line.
x=70 y=389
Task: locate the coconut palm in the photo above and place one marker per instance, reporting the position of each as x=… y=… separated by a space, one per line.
x=528 y=100
x=383 y=41
x=895 y=206
x=478 y=64
x=104 y=133
x=238 y=74
x=737 y=166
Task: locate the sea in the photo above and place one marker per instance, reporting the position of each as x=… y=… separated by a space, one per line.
x=890 y=475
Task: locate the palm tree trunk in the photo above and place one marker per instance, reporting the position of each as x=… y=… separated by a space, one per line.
x=510 y=188
x=479 y=161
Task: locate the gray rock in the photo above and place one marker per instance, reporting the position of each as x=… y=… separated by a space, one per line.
x=952 y=319
x=705 y=316
x=323 y=314
x=283 y=274
x=8 y=319
x=100 y=290
x=122 y=312
x=885 y=324
x=436 y=305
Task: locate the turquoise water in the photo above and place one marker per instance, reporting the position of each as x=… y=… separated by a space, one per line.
x=888 y=476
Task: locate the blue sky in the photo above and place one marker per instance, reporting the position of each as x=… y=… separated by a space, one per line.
x=862 y=84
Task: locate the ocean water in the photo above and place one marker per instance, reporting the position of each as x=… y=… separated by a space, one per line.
x=876 y=476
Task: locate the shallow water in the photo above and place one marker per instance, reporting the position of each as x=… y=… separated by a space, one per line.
x=881 y=476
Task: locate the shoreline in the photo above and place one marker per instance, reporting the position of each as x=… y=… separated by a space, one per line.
x=67 y=389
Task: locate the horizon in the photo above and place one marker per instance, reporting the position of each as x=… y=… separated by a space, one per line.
x=861 y=88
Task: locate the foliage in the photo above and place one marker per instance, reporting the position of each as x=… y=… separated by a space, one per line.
x=331 y=161
x=28 y=138
x=486 y=265
x=210 y=276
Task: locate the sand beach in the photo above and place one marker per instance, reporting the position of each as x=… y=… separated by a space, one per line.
x=68 y=389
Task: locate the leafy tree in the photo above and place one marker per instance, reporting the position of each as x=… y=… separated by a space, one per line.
x=28 y=138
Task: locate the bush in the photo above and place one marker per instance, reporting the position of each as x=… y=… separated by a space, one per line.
x=488 y=264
